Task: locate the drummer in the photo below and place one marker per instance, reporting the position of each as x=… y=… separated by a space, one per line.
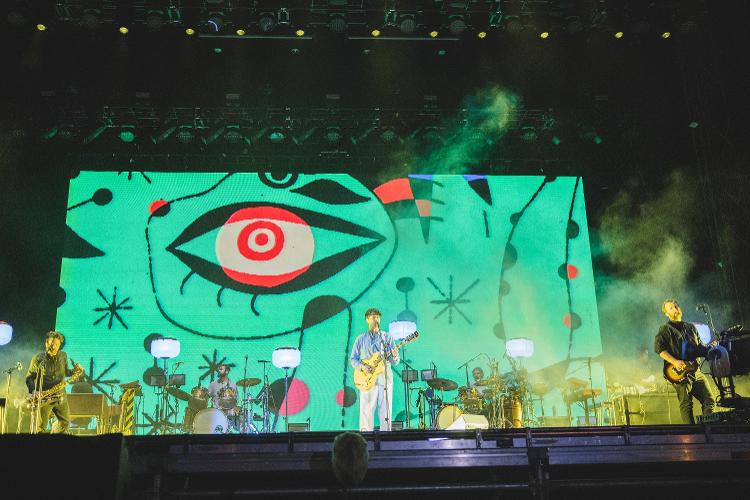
x=479 y=385
x=222 y=386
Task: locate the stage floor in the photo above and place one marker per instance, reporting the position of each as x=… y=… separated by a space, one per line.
x=621 y=462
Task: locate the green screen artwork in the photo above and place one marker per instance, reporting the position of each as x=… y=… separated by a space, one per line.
x=237 y=265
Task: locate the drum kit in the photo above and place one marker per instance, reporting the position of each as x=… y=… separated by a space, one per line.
x=497 y=397
x=230 y=413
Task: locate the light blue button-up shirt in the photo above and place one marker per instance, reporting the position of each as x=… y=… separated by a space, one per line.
x=369 y=343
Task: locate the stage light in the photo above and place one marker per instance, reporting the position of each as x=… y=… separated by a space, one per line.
x=520 y=347
x=457 y=25
x=189 y=31
x=41 y=27
x=337 y=24
x=127 y=133
x=619 y=34
x=232 y=135
x=375 y=33
x=388 y=136
x=544 y=35
x=408 y=25
x=434 y=34
x=597 y=140
x=240 y=32
x=90 y=19
x=6 y=333
x=300 y=32
x=124 y=30
x=154 y=20
x=556 y=140
x=333 y=135
x=216 y=22
x=482 y=34
x=401 y=329
x=277 y=136
x=267 y=22
x=165 y=348
x=286 y=357
x=666 y=35
x=185 y=134
x=513 y=25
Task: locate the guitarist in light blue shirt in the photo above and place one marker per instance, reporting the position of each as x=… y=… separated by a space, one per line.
x=373 y=342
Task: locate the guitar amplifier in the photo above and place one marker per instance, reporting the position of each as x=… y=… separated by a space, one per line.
x=86 y=405
x=650 y=408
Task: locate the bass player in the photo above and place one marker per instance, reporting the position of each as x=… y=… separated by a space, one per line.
x=667 y=345
x=373 y=341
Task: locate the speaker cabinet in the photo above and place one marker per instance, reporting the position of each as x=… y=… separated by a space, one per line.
x=647 y=409
x=87 y=406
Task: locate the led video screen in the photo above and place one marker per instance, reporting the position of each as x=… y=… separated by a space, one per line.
x=235 y=265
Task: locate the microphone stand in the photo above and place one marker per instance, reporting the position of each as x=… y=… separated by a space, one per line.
x=265 y=391
x=707 y=311
x=4 y=408
x=243 y=408
x=407 y=390
x=384 y=347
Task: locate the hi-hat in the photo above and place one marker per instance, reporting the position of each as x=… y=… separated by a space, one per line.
x=442 y=384
x=178 y=393
x=248 y=382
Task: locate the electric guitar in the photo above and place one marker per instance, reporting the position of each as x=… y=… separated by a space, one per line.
x=365 y=380
x=672 y=374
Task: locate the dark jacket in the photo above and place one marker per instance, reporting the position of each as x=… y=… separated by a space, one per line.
x=55 y=370
x=669 y=338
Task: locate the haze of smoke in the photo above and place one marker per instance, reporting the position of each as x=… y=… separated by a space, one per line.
x=465 y=140
x=648 y=243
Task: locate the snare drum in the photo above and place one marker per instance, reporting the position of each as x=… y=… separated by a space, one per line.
x=447 y=415
x=210 y=421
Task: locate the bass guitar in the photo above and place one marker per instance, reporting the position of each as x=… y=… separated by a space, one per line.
x=364 y=379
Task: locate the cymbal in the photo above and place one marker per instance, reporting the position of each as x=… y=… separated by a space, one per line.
x=574 y=383
x=178 y=393
x=248 y=382
x=540 y=388
x=131 y=385
x=442 y=384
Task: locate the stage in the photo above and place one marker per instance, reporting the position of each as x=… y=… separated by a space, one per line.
x=620 y=462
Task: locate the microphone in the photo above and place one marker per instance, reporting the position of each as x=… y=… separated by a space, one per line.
x=263 y=361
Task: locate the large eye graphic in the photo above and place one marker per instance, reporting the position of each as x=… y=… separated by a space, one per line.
x=263 y=248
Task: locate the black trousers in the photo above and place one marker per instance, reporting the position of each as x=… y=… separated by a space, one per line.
x=698 y=389
x=58 y=407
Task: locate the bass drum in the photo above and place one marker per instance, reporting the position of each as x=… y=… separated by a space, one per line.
x=447 y=415
x=210 y=421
